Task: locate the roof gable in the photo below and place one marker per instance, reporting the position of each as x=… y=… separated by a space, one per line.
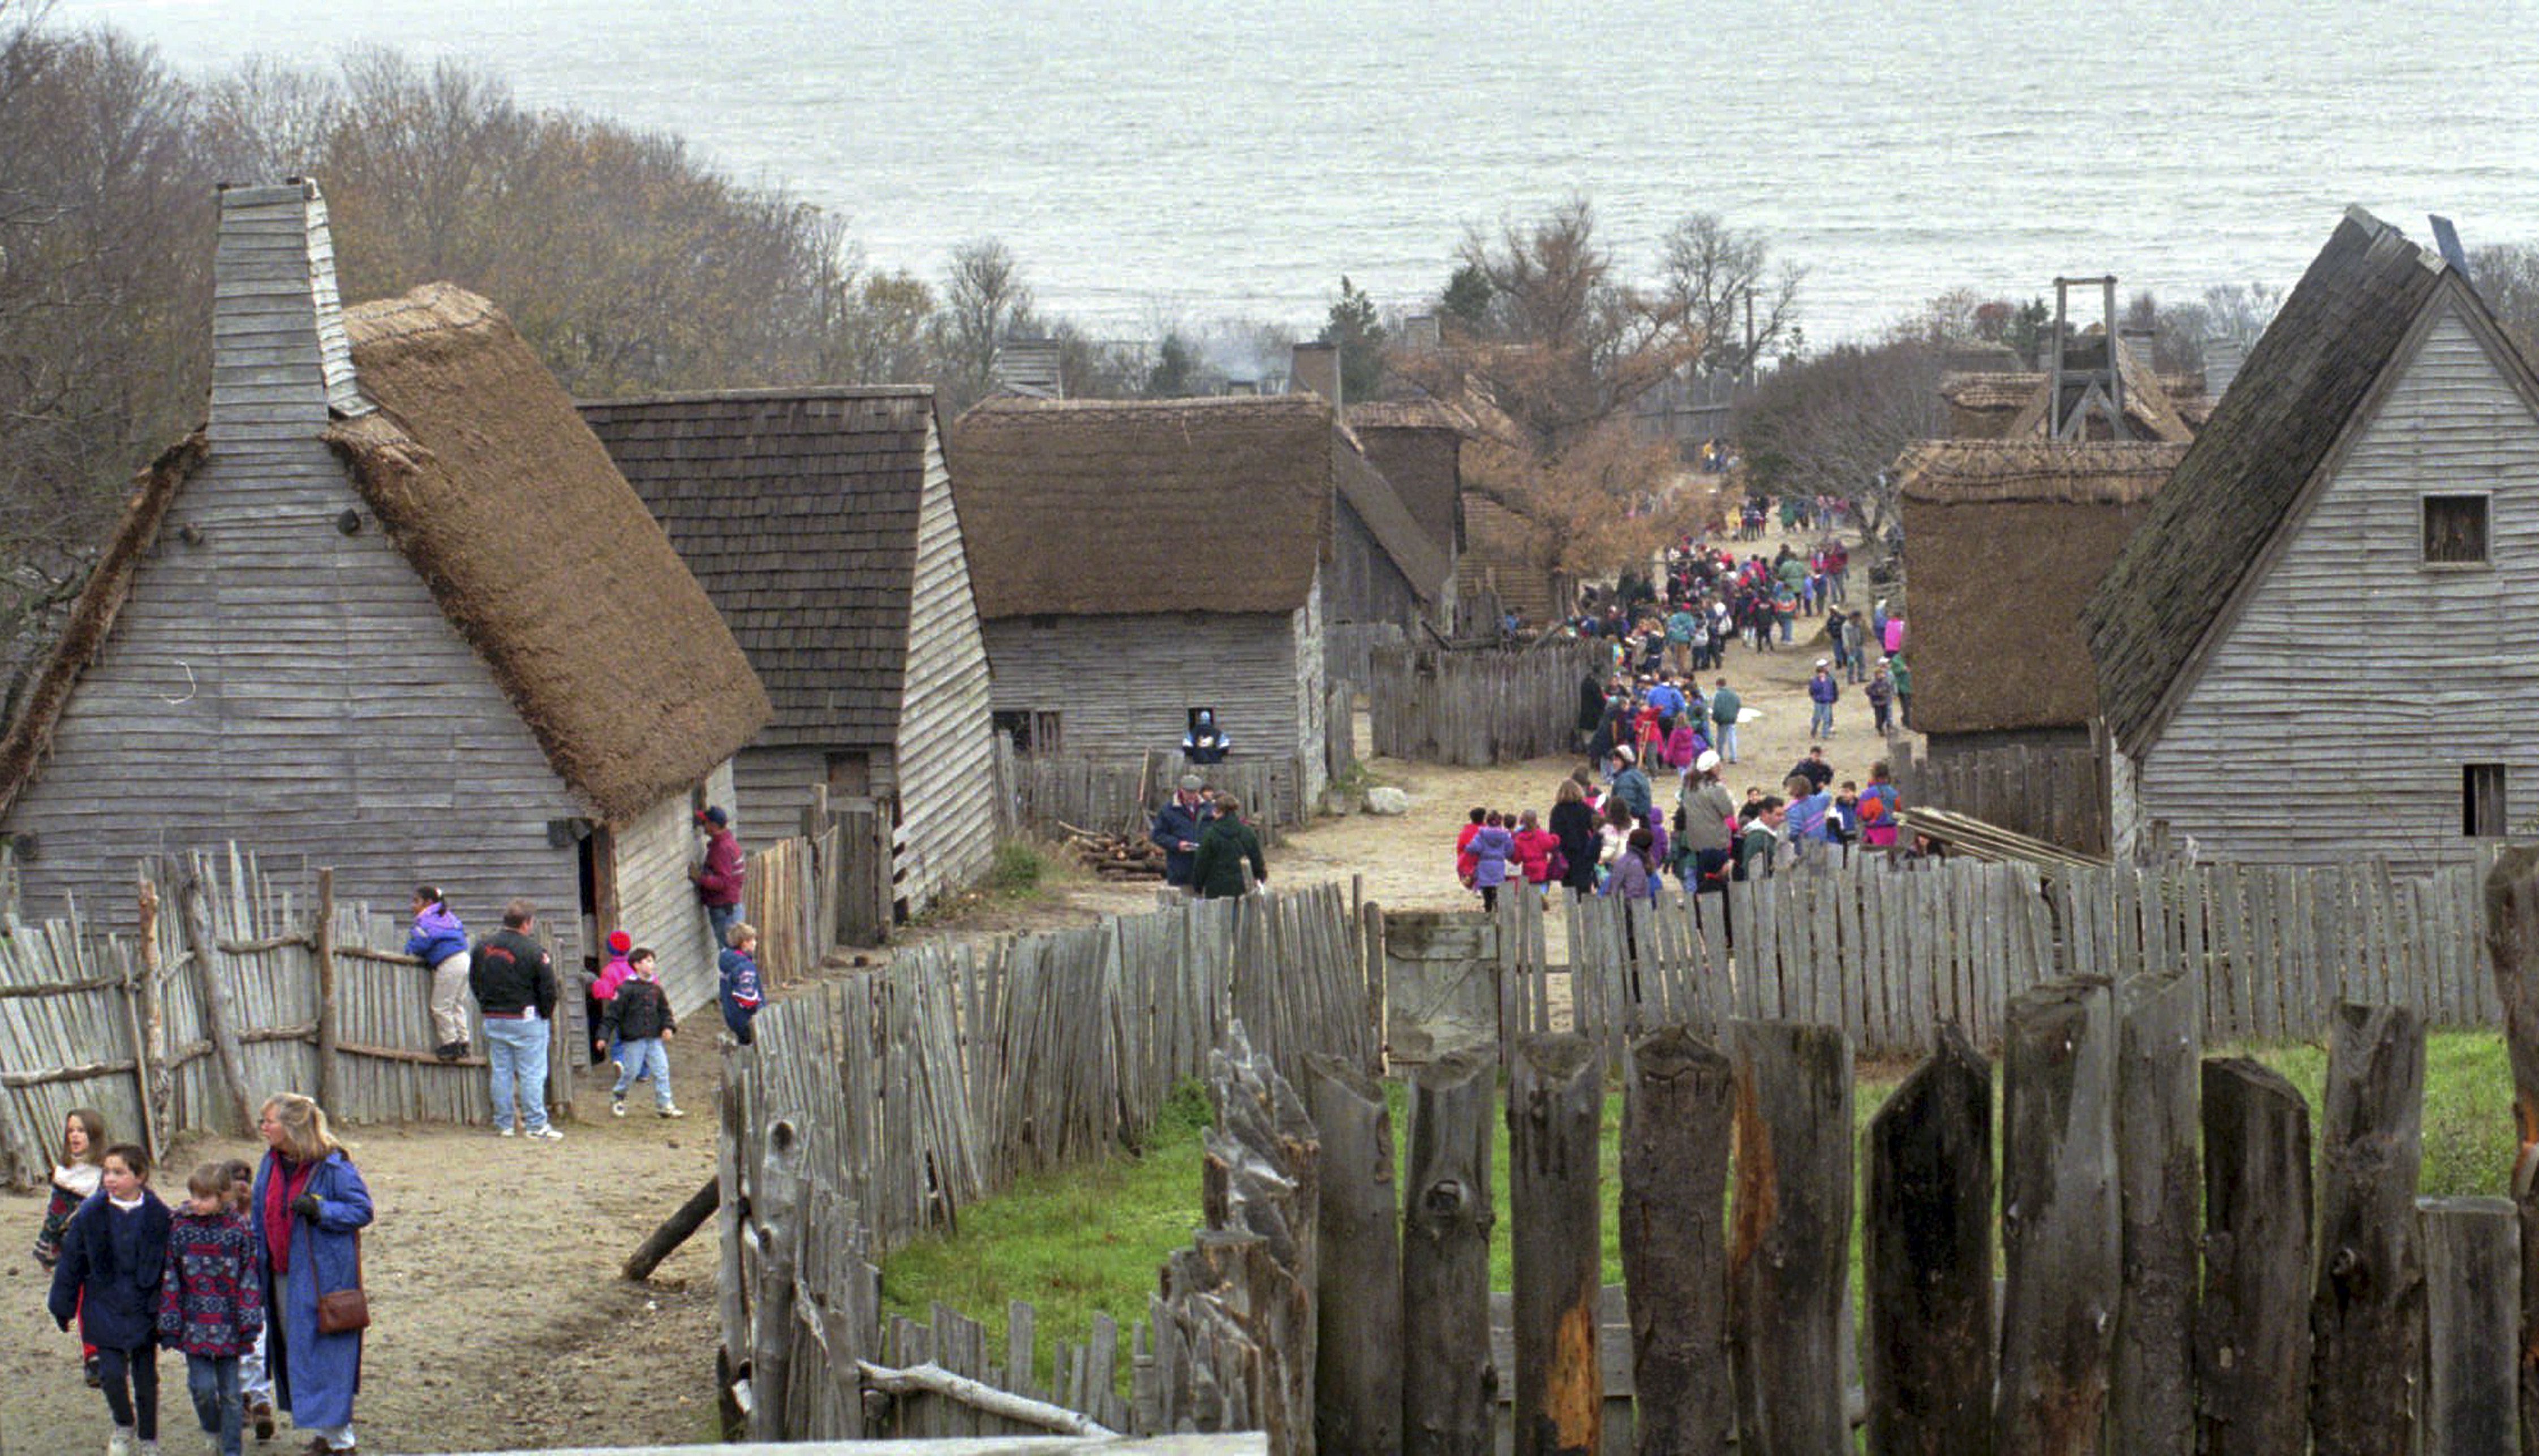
x=1387 y=519
x=2297 y=396
x=796 y=510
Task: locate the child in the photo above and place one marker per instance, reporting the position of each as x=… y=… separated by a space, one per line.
x=74 y=1180
x=440 y=942
x=114 y=1255
x=211 y=1299
x=740 y=993
x=256 y=1382
x=1536 y=847
x=639 y=1023
x=603 y=990
x=1490 y=850
x=1467 y=865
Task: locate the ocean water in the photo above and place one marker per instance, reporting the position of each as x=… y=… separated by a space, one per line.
x=1153 y=163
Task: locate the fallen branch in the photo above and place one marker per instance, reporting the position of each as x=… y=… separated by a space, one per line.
x=933 y=1379
x=259 y=947
x=674 y=1230
x=63 y=988
x=400 y=1053
x=384 y=957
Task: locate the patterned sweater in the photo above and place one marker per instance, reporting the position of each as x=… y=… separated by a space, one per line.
x=211 y=1301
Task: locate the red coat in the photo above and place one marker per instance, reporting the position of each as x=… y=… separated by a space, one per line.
x=719 y=883
x=1534 y=849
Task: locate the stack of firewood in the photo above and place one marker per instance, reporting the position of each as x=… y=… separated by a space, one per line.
x=1117 y=857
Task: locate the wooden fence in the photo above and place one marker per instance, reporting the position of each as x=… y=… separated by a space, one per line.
x=1119 y=796
x=877 y=1108
x=2056 y=794
x=1478 y=707
x=231 y=987
x=1890 y=955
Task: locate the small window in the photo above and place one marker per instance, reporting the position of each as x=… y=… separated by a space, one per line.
x=2455 y=531
x=2482 y=806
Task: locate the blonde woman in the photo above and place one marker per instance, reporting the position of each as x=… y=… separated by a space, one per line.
x=309 y=1206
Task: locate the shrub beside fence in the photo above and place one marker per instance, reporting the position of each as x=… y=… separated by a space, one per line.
x=1477 y=707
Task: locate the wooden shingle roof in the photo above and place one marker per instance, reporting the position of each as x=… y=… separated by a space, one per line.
x=797 y=511
x=1422 y=562
x=2292 y=400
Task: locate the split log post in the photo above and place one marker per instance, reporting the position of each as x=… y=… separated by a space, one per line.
x=1260 y=1174
x=1928 y=1260
x=1790 y=1262
x=2152 y=1398
x=732 y=1294
x=1358 y=1306
x=2512 y=948
x=220 y=1017
x=771 y=1332
x=2366 y=1310
x=141 y=1015
x=329 y=1080
x=674 y=1231
x=1677 y=1114
x=2252 y=1326
x=2472 y=1315
x=1448 y=1385
x=2060 y=1228
x=1556 y=1108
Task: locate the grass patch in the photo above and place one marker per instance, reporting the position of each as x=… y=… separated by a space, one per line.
x=1091 y=1237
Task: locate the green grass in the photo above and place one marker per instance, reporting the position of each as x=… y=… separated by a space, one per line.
x=1091 y=1238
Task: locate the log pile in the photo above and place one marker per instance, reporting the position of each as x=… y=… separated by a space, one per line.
x=1116 y=856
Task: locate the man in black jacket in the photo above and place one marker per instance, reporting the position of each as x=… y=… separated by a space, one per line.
x=513 y=981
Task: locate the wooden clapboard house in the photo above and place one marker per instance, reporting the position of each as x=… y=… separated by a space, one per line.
x=390 y=611
x=1136 y=561
x=821 y=522
x=2315 y=647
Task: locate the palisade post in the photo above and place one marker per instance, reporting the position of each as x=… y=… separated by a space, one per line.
x=2252 y=1326
x=2367 y=1309
x=2472 y=1318
x=220 y=1015
x=1678 y=1111
x=2152 y=1399
x=1928 y=1259
x=1448 y=1385
x=1555 y=1107
x=1357 y=1308
x=324 y=942
x=2060 y=1228
x=1789 y=1261
x=2512 y=948
x=140 y=1011
x=775 y=1210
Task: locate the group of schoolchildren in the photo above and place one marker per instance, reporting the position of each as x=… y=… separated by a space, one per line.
x=139 y=1275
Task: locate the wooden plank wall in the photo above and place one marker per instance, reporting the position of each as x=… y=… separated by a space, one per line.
x=1891 y=955
x=2055 y=795
x=947 y=828
x=658 y=903
x=1477 y=707
x=1122 y=685
x=1117 y=796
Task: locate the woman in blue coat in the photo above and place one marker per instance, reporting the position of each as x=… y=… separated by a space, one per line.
x=310 y=1208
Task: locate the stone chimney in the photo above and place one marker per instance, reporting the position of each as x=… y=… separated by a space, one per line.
x=1030 y=367
x=1315 y=367
x=2222 y=357
x=2139 y=341
x=281 y=363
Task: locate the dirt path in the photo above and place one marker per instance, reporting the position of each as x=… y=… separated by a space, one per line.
x=502 y=1323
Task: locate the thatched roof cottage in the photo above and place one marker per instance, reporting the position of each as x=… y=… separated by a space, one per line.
x=1138 y=561
x=2315 y=647
x=392 y=611
x=2014 y=404
x=821 y=523
x=2005 y=539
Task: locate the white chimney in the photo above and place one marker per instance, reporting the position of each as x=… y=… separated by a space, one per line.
x=281 y=363
x=1315 y=367
x=2222 y=357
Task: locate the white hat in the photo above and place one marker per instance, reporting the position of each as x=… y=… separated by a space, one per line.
x=1623 y=752
x=1824 y=662
x=1706 y=762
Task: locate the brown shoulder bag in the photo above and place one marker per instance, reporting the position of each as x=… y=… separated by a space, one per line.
x=343 y=1311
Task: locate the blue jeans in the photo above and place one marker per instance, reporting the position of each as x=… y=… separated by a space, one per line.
x=1819 y=718
x=642 y=1055
x=516 y=1051
x=1728 y=741
x=213 y=1382
x=723 y=917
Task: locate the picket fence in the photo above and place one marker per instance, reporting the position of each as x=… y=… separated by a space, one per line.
x=296 y=992
x=877 y=1108
x=1890 y=955
x=1477 y=706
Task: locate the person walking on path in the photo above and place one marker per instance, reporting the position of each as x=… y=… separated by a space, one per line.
x=515 y=983
x=639 y=1025
x=211 y=1301
x=114 y=1255
x=721 y=879
x=1573 y=825
x=1707 y=835
x=1224 y=846
x=1881 y=693
x=739 y=992
x=440 y=942
x=604 y=1042
x=1177 y=828
x=1491 y=849
x=1903 y=676
x=310 y=1206
x=1631 y=786
x=1823 y=693
x=1725 y=706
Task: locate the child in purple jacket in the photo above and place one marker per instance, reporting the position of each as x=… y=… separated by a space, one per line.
x=1489 y=850
x=211 y=1300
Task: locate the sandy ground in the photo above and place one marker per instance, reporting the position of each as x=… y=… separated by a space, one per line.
x=500 y=1321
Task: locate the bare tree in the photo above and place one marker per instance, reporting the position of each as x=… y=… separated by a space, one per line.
x=985 y=297
x=1834 y=424
x=1718 y=278
x=2507 y=275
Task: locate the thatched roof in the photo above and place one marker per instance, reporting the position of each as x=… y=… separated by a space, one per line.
x=536 y=549
x=2292 y=400
x=2005 y=539
x=2011 y=403
x=1085 y=508
x=797 y=511
x=2149 y=411
x=1410 y=414
x=1422 y=562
